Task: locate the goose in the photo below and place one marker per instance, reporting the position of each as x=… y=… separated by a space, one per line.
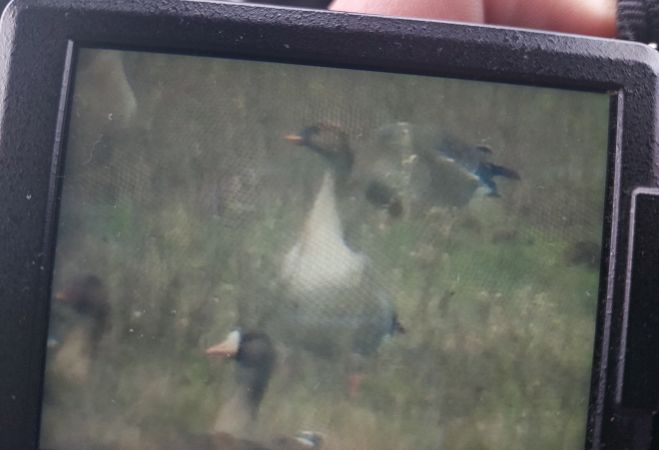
x=447 y=171
x=79 y=319
x=255 y=356
x=333 y=302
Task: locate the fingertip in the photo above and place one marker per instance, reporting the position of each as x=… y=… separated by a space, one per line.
x=589 y=17
x=452 y=10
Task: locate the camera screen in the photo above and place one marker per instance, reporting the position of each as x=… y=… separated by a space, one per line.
x=292 y=256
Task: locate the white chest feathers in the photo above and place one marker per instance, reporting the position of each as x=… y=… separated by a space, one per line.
x=320 y=257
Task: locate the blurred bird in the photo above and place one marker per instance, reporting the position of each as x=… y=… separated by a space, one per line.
x=79 y=319
x=255 y=357
x=443 y=170
x=333 y=301
x=472 y=161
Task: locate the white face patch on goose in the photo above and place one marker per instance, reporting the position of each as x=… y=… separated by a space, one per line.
x=227 y=348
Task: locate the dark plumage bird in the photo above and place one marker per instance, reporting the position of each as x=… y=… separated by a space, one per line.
x=472 y=159
x=79 y=319
x=255 y=356
x=255 y=359
x=443 y=170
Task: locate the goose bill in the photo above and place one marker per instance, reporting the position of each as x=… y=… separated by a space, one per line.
x=294 y=138
x=227 y=348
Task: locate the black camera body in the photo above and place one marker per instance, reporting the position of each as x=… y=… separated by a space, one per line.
x=43 y=58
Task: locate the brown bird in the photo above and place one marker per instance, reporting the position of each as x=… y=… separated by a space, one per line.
x=79 y=319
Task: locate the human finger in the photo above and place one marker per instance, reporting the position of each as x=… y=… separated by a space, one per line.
x=591 y=17
x=458 y=10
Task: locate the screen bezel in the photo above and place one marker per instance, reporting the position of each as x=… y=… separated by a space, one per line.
x=40 y=40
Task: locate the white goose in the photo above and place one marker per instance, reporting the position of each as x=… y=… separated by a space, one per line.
x=333 y=302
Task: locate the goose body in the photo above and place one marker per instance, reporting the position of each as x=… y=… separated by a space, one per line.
x=333 y=302
x=320 y=257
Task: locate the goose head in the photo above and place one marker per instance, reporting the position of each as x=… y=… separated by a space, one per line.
x=331 y=143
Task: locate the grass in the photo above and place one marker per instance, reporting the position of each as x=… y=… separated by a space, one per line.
x=497 y=353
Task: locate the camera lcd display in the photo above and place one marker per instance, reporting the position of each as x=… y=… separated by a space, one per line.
x=291 y=256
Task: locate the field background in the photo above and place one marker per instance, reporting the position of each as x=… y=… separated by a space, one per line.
x=181 y=195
